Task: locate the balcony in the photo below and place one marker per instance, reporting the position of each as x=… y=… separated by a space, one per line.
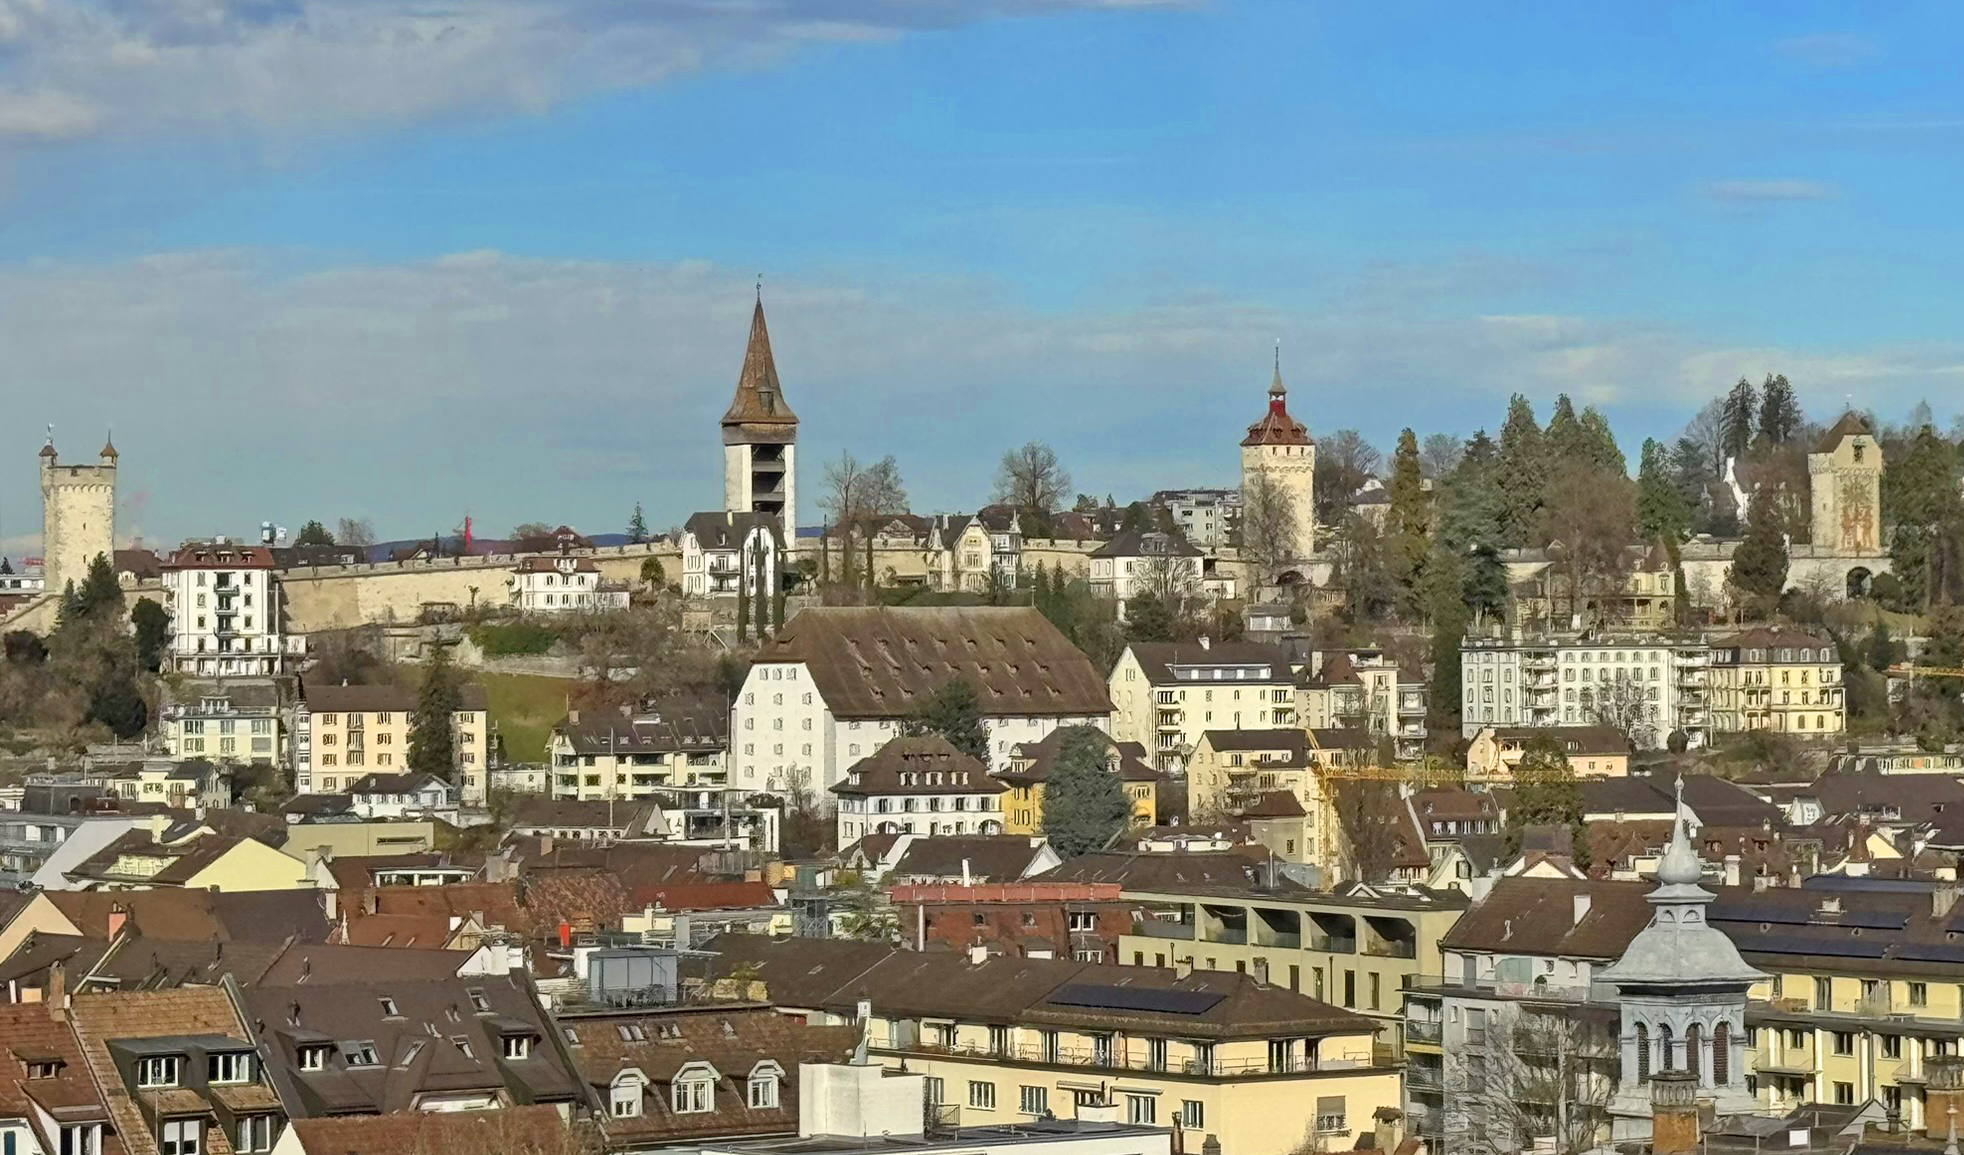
x=1120 y=1059
x=1527 y=992
x=1423 y=1031
x=1420 y=1078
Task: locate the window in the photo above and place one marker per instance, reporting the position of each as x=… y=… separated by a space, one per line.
x=389 y=1008
x=763 y=1090
x=1193 y=1114
x=624 y=1097
x=255 y=1133
x=181 y=1137
x=44 y=1068
x=361 y=1054
x=998 y=1040
x=1330 y=1115
x=1141 y=1109
x=1033 y=1100
x=981 y=1096
x=157 y=1071
x=313 y=1058
x=233 y=1067
x=692 y=1096
x=1155 y=1054
x=478 y=1001
x=1919 y=994
x=1844 y=1093
x=517 y=1046
x=1823 y=994
x=1892 y=1046
x=1844 y=1042
x=464 y=1047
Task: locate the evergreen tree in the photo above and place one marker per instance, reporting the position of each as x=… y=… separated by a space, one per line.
x=1149 y=619
x=1567 y=440
x=313 y=533
x=1545 y=794
x=1484 y=582
x=152 y=625
x=637 y=526
x=1779 y=412
x=1600 y=443
x=1523 y=473
x=1446 y=604
x=432 y=743
x=1409 y=523
x=954 y=713
x=1662 y=514
x=1759 y=565
x=115 y=702
x=1473 y=504
x=1084 y=803
x=1736 y=422
x=100 y=595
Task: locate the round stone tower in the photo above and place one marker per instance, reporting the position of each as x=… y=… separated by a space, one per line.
x=78 y=515
x=1278 y=447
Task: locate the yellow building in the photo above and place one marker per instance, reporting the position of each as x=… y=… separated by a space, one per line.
x=1365 y=690
x=1006 y=1040
x=1778 y=679
x=345 y=732
x=1233 y=770
x=1593 y=751
x=1029 y=766
x=1166 y=694
x=664 y=754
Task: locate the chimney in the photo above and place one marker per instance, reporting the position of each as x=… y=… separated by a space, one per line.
x=1943 y=1094
x=1206 y=643
x=565 y=935
x=369 y=902
x=967 y=879
x=118 y=915
x=1182 y=967
x=1732 y=870
x=545 y=845
x=1581 y=907
x=572 y=717
x=56 y=995
x=1673 y=1113
x=1942 y=899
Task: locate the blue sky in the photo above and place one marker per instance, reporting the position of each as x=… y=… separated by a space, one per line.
x=364 y=257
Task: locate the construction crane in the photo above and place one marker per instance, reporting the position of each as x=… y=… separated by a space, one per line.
x=1905 y=671
x=1431 y=770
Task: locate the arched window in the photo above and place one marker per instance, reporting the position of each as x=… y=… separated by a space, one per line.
x=1643 y=1052
x=1693 y=1036
x=1721 y=1054
x=1666 y=1061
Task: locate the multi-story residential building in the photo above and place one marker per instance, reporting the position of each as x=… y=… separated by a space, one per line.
x=1649 y=686
x=1254 y=1067
x=1365 y=690
x=1206 y=517
x=179 y=785
x=344 y=732
x=1029 y=770
x=918 y=786
x=199 y=859
x=179 y=1072
x=227 y=616
x=1233 y=770
x=1784 y=680
x=224 y=720
x=1167 y=694
x=563 y=583
x=48 y=1100
x=1592 y=751
x=719 y=550
x=675 y=753
x=1079 y=920
x=835 y=684
x=1136 y=563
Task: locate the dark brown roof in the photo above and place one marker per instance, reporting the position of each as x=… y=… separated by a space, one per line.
x=370 y=699
x=1031 y=761
x=514 y=1129
x=207 y=555
x=550 y=563
x=986 y=858
x=1157 y=658
x=695 y=726
x=759 y=398
x=538 y=812
x=1851 y=424
x=799 y=972
x=882 y=661
x=1138 y=543
x=929 y=764
x=1232 y=870
x=143 y=964
x=183 y=1012
x=1292 y=743
x=248 y=916
x=1712 y=800
x=1773 y=638
x=183 y=860
x=1584 y=740
x=1276 y=426
x=1275 y=804
x=733 y=1040
x=1454 y=803
x=724 y=530
x=1536 y=916
x=31 y=1032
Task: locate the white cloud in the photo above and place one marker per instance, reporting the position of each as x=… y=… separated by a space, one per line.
x=291 y=67
x=1759 y=191
x=247 y=385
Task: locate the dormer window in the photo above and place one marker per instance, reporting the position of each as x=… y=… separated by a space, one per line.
x=624 y=1096
x=763 y=1084
x=389 y=1010
x=43 y=1068
x=694 y=1093
x=158 y=1070
x=478 y=1001
x=229 y=1067
x=361 y=1054
x=518 y=1046
x=313 y=1058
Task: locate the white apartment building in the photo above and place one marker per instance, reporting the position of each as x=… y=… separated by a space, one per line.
x=837 y=682
x=1205 y=516
x=1137 y=563
x=716 y=547
x=675 y=755
x=918 y=786
x=1560 y=682
x=224 y=603
x=563 y=584
x=1165 y=695
x=240 y=720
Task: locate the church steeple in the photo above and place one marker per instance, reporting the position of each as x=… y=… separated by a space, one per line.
x=760 y=437
x=759 y=398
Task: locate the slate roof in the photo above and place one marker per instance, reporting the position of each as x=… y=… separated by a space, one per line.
x=1851 y=425
x=333 y=699
x=1292 y=744
x=247 y=916
x=1536 y=916
x=1158 y=658
x=1146 y=543
x=882 y=661
x=1031 y=761
x=929 y=764
x=990 y=858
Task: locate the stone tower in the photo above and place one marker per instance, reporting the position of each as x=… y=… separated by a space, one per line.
x=1682 y=989
x=78 y=515
x=1844 y=473
x=1278 y=446
x=760 y=438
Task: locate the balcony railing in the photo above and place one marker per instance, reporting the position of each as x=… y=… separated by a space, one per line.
x=1421 y=1078
x=1118 y=1059
x=1422 y=1031
x=1542 y=992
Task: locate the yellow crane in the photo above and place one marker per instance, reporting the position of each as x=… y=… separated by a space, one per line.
x=1906 y=671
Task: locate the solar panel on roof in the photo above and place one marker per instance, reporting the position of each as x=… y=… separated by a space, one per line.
x=1951 y=952
x=1839 y=946
x=1111 y=998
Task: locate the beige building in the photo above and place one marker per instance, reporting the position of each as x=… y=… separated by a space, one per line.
x=1279 y=449
x=224 y=720
x=1844 y=473
x=1365 y=690
x=1778 y=679
x=1593 y=751
x=1234 y=770
x=345 y=732
x=666 y=754
x=78 y=516
x=1219 y=1056
x=1165 y=695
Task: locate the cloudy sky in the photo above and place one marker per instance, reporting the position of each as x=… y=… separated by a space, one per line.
x=408 y=261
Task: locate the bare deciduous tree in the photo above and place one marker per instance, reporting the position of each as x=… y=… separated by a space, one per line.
x=1624 y=706
x=1440 y=455
x=1588 y=523
x=854 y=491
x=1543 y=1075
x=1175 y=581
x=355 y=532
x=1268 y=525
x=1033 y=478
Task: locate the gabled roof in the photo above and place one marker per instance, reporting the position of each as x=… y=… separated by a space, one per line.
x=1158 y=659
x=184 y=860
x=929 y=764
x=326 y=698
x=1852 y=424
x=30 y=1032
x=983 y=857
x=698 y=726
x=208 y=555
x=1274 y=804
x=759 y=398
x=411 y=783
x=882 y=661
x=723 y=530
x=183 y=1013
x=1031 y=761
x=1537 y=916
x=1137 y=543
x=533 y=1128
x=169 y=913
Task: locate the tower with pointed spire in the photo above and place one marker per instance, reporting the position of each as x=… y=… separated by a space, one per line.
x=760 y=437
x=78 y=515
x=1681 y=987
x=1278 y=448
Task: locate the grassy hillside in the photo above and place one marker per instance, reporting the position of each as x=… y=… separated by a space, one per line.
x=526 y=707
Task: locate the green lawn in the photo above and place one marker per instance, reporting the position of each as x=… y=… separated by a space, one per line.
x=525 y=708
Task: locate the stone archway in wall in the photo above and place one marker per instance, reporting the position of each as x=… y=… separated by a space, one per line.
x=1289 y=578
x=1859 y=582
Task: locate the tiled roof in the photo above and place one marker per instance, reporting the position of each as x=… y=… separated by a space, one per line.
x=1536 y=916
x=509 y=1129
x=333 y=699
x=1574 y=739
x=31 y=1032
x=1159 y=658
x=1031 y=761
x=985 y=858
x=1275 y=804
x=1851 y=424
x=759 y=398
x=248 y=916
x=182 y=1013
x=701 y=726
x=184 y=860
x=883 y=661
x=929 y=764
x=205 y=555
